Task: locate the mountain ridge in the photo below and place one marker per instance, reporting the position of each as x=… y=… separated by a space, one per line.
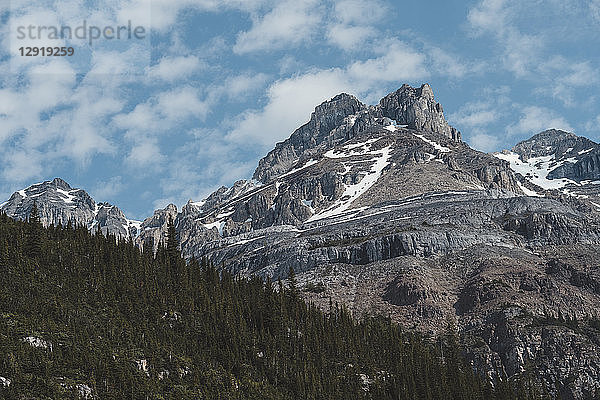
x=59 y=203
x=386 y=210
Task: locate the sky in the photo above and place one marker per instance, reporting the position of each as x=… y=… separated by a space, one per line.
x=207 y=87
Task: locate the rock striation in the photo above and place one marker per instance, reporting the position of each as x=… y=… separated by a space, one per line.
x=417 y=109
x=344 y=117
x=59 y=203
x=385 y=209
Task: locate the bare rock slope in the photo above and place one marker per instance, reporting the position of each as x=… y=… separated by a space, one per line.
x=385 y=209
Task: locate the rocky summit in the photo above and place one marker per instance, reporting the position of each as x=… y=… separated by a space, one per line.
x=59 y=203
x=385 y=209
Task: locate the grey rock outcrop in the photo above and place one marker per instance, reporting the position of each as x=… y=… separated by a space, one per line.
x=417 y=108
x=389 y=212
x=153 y=230
x=344 y=117
x=59 y=203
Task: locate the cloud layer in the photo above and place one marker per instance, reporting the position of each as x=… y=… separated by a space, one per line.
x=219 y=82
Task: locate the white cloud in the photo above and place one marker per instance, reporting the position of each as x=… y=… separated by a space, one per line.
x=536 y=119
x=594 y=7
x=241 y=85
x=106 y=189
x=145 y=153
x=52 y=117
x=473 y=115
x=451 y=65
x=203 y=166
x=398 y=63
x=164 y=111
x=161 y=15
x=565 y=77
x=171 y=69
x=158 y=116
x=475 y=119
x=21 y=165
x=488 y=16
x=181 y=103
x=593 y=126
x=484 y=142
x=290 y=101
x=142 y=118
x=350 y=38
x=354 y=23
x=289 y=23
x=520 y=52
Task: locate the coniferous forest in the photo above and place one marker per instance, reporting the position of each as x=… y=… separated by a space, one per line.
x=83 y=316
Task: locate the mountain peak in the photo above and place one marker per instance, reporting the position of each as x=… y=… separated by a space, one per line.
x=60 y=183
x=552 y=135
x=551 y=142
x=323 y=127
x=417 y=108
x=343 y=117
x=59 y=203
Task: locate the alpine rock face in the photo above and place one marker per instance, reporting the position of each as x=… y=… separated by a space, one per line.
x=59 y=203
x=558 y=160
x=385 y=209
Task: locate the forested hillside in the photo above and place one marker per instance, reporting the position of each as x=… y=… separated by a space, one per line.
x=82 y=316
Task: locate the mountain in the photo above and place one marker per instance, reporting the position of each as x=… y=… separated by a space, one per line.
x=383 y=208
x=59 y=203
x=558 y=160
x=94 y=318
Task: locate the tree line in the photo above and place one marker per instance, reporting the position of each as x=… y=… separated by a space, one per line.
x=88 y=316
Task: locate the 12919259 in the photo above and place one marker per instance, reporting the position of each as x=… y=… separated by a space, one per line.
x=46 y=51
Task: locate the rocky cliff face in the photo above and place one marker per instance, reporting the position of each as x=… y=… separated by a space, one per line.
x=383 y=208
x=153 y=230
x=557 y=161
x=344 y=117
x=417 y=109
x=332 y=122
x=59 y=203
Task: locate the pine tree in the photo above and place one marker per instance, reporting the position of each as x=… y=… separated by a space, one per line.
x=173 y=254
x=106 y=304
x=293 y=290
x=33 y=244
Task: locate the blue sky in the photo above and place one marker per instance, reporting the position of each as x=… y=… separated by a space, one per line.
x=214 y=84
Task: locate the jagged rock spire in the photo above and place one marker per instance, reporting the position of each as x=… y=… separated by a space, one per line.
x=344 y=116
x=417 y=108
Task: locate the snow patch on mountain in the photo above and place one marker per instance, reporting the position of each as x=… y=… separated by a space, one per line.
x=435 y=145
x=293 y=171
x=218 y=225
x=354 y=191
x=529 y=192
x=353 y=149
x=66 y=195
x=536 y=169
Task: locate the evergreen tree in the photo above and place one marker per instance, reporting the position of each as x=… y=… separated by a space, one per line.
x=293 y=290
x=104 y=315
x=34 y=233
x=173 y=254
